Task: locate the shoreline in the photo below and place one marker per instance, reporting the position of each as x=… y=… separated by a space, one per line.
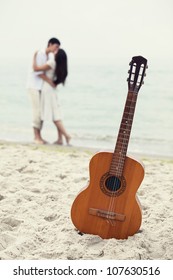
x=38 y=186
x=88 y=149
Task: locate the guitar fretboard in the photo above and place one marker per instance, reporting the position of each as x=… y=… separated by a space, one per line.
x=120 y=151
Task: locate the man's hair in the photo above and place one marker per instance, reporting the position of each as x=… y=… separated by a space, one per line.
x=54 y=41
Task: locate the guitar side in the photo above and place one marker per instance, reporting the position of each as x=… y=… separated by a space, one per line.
x=96 y=212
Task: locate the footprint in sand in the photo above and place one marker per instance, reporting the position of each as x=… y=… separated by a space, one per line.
x=35 y=190
x=11 y=222
x=1 y=197
x=5 y=241
x=50 y=218
x=62 y=176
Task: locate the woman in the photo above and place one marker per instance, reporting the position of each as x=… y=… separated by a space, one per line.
x=56 y=72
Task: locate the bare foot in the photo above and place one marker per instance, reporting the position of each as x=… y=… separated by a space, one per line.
x=58 y=142
x=68 y=138
x=40 y=141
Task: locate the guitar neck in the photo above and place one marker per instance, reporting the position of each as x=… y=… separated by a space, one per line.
x=120 y=151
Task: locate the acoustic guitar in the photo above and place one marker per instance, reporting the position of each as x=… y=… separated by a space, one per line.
x=109 y=206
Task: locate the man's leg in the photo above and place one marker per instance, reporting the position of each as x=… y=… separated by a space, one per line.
x=37 y=123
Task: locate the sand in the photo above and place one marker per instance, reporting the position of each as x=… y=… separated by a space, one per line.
x=37 y=187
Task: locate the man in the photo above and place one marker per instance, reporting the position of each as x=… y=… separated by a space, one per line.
x=34 y=85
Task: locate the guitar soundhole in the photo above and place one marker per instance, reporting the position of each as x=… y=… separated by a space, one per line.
x=112 y=185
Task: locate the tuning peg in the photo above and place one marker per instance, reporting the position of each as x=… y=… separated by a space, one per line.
x=130 y=63
x=127 y=79
x=128 y=72
x=147 y=67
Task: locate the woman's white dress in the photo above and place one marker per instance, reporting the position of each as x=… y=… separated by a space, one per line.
x=50 y=107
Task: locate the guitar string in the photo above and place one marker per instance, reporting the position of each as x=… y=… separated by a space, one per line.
x=126 y=137
x=116 y=181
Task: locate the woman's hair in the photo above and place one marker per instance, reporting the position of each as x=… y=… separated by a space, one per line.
x=61 y=70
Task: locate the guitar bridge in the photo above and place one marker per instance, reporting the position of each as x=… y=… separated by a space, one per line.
x=107 y=214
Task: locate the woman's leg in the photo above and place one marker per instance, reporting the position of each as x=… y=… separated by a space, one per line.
x=61 y=131
x=59 y=140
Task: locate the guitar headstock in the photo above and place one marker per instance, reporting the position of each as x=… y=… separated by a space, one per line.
x=137 y=70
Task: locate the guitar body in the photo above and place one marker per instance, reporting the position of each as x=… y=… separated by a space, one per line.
x=107 y=210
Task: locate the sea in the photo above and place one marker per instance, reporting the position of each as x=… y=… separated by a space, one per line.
x=92 y=102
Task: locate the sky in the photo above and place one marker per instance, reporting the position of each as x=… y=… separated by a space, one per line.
x=89 y=30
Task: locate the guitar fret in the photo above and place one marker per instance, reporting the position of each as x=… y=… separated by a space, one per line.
x=118 y=167
x=124 y=130
x=127 y=119
x=129 y=113
x=129 y=107
x=118 y=157
x=123 y=138
x=125 y=125
x=130 y=101
x=120 y=151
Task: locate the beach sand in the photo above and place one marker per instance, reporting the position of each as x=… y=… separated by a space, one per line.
x=37 y=187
